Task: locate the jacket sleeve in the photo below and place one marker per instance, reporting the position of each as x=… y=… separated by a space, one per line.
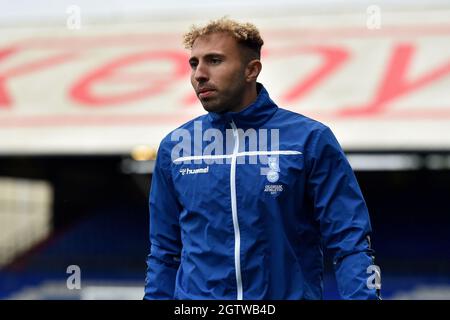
x=341 y=212
x=165 y=243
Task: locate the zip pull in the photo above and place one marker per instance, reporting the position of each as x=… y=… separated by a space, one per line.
x=233 y=125
x=236 y=136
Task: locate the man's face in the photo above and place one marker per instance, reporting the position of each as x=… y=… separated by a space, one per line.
x=218 y=72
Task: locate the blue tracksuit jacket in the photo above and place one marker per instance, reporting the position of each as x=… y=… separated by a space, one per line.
x=224 y=227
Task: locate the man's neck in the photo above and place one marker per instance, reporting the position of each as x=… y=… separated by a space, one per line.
x=250 y=96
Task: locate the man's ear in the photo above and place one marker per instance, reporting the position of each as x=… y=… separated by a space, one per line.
x=252 y=70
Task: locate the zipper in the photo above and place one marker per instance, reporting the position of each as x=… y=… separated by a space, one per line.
x=237 y=234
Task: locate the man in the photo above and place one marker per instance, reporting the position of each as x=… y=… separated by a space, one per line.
x=224 y=226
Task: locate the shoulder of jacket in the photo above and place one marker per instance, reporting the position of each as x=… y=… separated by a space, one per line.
x=302 y=122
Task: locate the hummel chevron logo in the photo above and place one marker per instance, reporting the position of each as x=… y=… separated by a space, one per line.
x=194 y=171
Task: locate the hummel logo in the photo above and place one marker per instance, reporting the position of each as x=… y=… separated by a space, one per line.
x=194 y=171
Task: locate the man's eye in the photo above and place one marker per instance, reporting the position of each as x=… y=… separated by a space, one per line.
x=215 y=61
x=193 y=64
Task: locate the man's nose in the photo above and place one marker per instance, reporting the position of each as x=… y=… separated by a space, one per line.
x=201 y=73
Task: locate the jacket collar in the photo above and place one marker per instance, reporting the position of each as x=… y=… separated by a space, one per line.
x=253 y=116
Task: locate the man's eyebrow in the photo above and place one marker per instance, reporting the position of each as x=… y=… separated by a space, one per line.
x=214 y=55
x=208 y=56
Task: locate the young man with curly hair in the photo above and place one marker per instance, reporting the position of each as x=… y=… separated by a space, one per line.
x=224 y=226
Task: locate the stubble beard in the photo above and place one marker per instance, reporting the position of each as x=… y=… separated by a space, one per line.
x=225 y=101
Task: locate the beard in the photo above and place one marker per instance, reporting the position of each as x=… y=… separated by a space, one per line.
x=225 y=100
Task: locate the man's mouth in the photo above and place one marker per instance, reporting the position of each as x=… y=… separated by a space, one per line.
x=205 y=92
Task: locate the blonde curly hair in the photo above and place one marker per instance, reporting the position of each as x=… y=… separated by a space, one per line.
x=246 y=34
